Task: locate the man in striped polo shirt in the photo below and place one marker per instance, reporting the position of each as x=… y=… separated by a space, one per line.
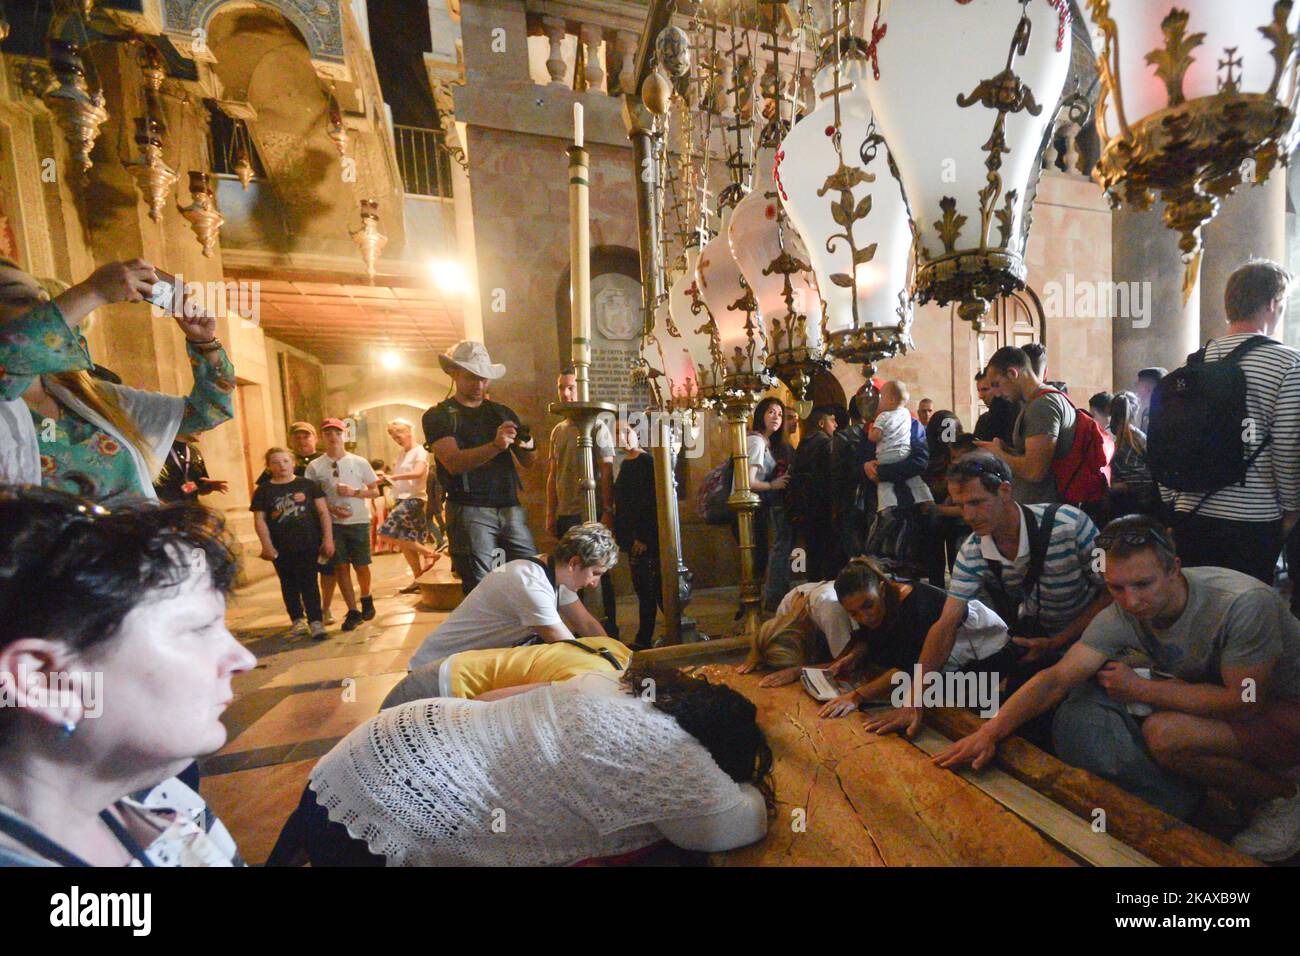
x=993 y=564
x=1243 y=526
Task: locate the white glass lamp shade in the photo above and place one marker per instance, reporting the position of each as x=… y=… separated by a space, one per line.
x=1198 y=96
x=721 y=284
x=806 y=159
x=958 y=122
x=757 y=241
x=691 y=346
x=1234 y=25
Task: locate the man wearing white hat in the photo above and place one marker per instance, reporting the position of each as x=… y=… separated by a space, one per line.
x=475 y=442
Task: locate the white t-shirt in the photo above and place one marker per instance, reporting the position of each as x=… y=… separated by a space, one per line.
x=827 y=613
x=759 y=453
x=352 y=470
x=895 y=436
x=505 y=607
x=410 y=487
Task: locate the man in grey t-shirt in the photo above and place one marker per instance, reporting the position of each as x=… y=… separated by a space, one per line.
x=1043 y=433
x=1221 y=708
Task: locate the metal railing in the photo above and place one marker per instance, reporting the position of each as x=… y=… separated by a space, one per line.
x=424 y=161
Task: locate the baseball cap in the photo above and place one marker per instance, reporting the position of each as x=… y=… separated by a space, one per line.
x=333 y=423
x=302 y=427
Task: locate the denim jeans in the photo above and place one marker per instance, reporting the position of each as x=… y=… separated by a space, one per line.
x=476 y=533
x=1095 y=733
x=776 y=583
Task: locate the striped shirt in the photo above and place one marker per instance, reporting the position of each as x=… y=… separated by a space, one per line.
x=1273 y=402
x=1067 y=585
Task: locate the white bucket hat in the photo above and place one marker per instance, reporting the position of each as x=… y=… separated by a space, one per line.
x=472 y=357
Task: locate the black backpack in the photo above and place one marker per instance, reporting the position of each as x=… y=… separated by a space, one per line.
x=1194 y=441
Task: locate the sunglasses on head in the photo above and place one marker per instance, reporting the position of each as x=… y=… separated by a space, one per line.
x=976 y=469
x=1135 y=538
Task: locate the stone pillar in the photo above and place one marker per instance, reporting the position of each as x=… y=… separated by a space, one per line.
x=589 y=35
x=1157 y=327
x=555 y=31
x=626 y=45
x=1251 y=224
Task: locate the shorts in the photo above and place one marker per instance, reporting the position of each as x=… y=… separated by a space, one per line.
x=1271 y=738
x=352 y=544
x=406 y=522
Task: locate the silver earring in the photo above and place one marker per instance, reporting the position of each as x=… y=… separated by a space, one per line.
x=69 y=728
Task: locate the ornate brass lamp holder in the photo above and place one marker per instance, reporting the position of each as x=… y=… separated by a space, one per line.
x=204 y=217
x=1193 y=151
x=735 y=395
x=971 y=278
x=370 y=239
x=152 y=176
x=80 y=113
x=796 y=365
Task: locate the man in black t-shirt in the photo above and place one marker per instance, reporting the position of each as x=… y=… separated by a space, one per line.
x=475 y=442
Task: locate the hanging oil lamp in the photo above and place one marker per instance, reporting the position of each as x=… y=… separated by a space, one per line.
x=370 y=239
x=243 y=160
x=80 y=113
x=152 y=176
x=204 y=217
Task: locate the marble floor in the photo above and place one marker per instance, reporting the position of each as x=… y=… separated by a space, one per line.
x=305 y=695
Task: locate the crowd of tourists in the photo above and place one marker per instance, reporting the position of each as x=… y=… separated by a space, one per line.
x=1110 y=570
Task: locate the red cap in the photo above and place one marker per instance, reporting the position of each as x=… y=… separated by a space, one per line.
x=333 y=423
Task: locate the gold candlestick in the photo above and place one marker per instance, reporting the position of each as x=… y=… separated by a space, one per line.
x=584 y=411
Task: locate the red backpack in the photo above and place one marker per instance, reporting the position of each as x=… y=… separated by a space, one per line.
x=1083 y=474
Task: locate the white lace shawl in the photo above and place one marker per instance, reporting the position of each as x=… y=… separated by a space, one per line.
x=549 y=777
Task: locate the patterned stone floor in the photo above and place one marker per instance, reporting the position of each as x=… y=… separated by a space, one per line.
x=305 y=695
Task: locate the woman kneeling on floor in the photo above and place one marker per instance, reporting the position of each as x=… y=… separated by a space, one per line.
x=553 y=774
x=130 y=602
x=865 y=618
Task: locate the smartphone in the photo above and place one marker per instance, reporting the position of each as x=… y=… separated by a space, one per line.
x=164 y=291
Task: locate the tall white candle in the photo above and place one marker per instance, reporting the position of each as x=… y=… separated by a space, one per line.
x=577 y=125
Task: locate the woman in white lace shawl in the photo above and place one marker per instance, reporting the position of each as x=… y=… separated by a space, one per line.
x=584 y=770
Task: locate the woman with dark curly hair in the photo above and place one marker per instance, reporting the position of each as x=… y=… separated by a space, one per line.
x=544 y=774
x=133 y=602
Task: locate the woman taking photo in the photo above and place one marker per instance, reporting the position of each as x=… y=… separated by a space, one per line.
x=132 y=602
x=769 y=457
x=64 y=429
x=584 y=770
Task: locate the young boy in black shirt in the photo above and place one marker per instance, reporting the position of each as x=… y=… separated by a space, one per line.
x=294 y=526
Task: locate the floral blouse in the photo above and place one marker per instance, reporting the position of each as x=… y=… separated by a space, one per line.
x=76 y=455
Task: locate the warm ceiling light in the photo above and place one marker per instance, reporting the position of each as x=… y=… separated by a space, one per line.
x=448 y=274
x=390 y=359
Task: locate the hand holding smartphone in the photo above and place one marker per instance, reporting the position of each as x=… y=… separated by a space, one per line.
x=163 y=293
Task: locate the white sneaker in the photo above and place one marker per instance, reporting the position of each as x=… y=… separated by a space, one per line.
x=1274 y=832
x=299 y=628
x=328 y=617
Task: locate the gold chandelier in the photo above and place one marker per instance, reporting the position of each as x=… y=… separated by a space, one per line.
x=1211 y=107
